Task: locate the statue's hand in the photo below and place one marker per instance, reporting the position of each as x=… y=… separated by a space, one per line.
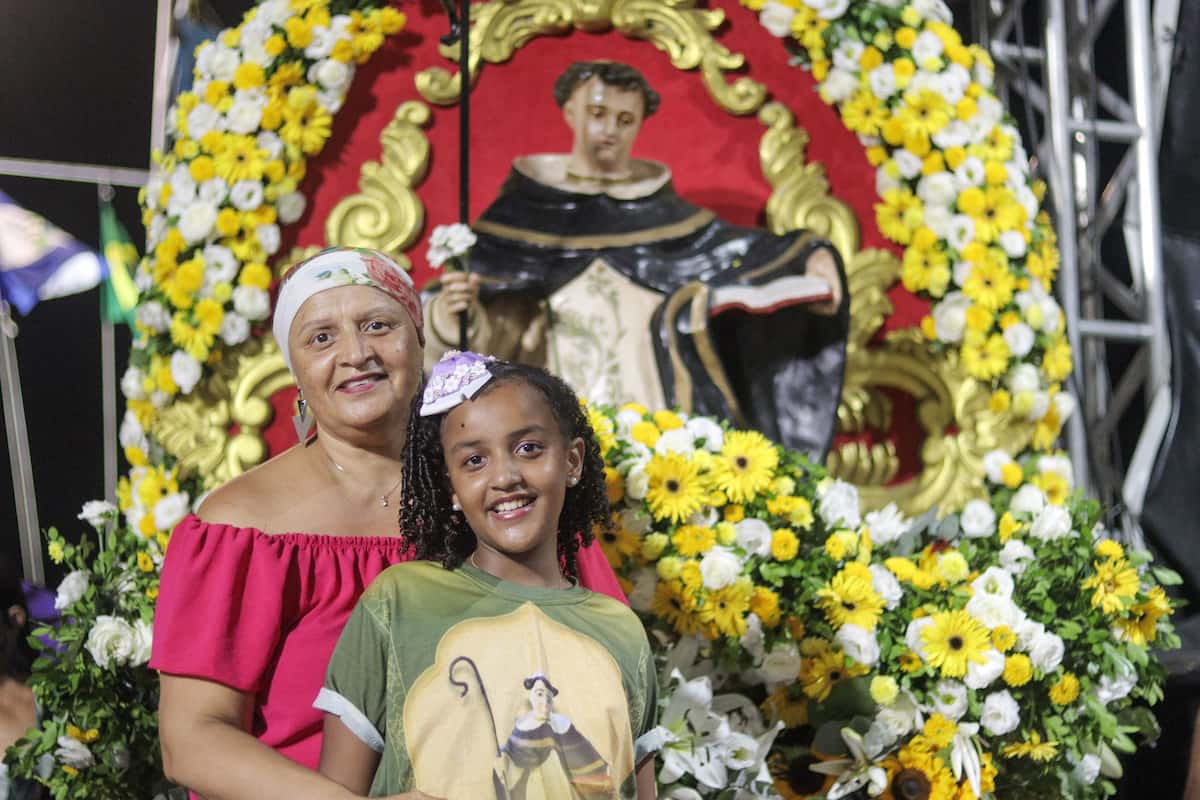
x=822 y=264
x=460 y=291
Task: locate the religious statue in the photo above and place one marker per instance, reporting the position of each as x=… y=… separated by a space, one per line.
x=590 y=264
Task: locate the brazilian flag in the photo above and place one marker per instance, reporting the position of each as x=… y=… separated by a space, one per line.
x=119 y=296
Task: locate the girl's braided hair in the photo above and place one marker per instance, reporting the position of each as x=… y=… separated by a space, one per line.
x=436 y=533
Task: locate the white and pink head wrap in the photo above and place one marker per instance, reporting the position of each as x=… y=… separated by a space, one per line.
x=342 y=266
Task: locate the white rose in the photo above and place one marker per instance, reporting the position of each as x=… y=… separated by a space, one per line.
x=708 y=430
x=939 y=219
x=331 y=100
x=111 y=641
x=995 y=582
x=961 y=233
x=1023 y=378
x=185 y=371
x=74 y=753
x=828 y=9
x=96 y=512
x=847 y=54
x=131 y=433
x=1015 y=556
x=225 y=62
x=269 y=238
x=937 y=189
x=1111 y=689
x=323 y=40
x=456 y=238
x=781 y=665
x=214 y=190
x=705 y=518
x=246 y=195
x=245 y=115
x=970 y=172
x=1087 y=770
x=777 y=18
x=131 y=384
x=839 y=84
x=886 y=586
x=274 y=12
x=754 y=537
x=642 y=595
x=907 y=163
x=1038 y=406
x=885 y=181
x=950 y=699
x=980 y=676
x=882 y=81
x=901 y=717
x=676 y=440
x=626 y=419
x=290 y=207
x=183 y=187
x=956 y=133
x=858 y=643
x=719 y=568
x=927 y=46
x=202 y=119
x=1029 y=499
x=933 y=9
x=912 y=636
x=1020 y=338
x=1028 y=631
x=637 y=482
x=235 y=329
x=978 y=520
x=992 y=611
x=1000 y=714
x=635 y=520
x=950 y=317
x=1054 y=522
x=1047 y=652
x=1064 y=405
x=886 y=525
x=197 y=221
x=252 y=303
x=71 y=590
x=220 y=264
x=333 y=75
x=270 y=141
x=838 y=505
x=878 y=738
x=994 y=462
x=143 y=640
x=1013 y=244
x=169 y=510
x=159 y=398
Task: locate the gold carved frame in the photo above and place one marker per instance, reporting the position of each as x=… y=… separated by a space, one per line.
x=950 y=407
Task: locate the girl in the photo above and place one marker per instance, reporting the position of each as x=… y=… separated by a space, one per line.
x=485 y=670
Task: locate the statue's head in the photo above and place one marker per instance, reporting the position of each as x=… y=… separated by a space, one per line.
x=604 y=103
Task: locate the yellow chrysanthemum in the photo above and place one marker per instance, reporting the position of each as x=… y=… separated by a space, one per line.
x=1107 y=548
x=667 y=420
x=144 y=561
x=1032 y=748
x=1056 y=361
x=765 y=603
x=676 y=489
x=863 y=113
x=939 y=730
x=1113 y=582
x=1065 y=691
x=784 y=545
x=693 y=540
x=645 y=432
x=985 y=357
x=1141 y=626
x=1003 y=638
x=746 y=465
x=899 y=215
x=1018 y=670
x=954 y=639
x=848 y=597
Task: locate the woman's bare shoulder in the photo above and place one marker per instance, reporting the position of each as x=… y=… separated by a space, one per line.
x=258 y=497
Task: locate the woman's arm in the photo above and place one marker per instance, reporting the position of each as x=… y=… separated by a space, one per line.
x=206 y=747
x=647 y=787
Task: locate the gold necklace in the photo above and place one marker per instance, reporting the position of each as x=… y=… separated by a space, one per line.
x=383 y=498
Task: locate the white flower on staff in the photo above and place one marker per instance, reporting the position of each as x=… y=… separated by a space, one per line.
x=71 y=590
x=97 y=513
x=449 y=241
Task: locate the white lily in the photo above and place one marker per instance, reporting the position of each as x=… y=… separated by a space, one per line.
x=853 y=773
x=691 y=735
x=964 y=757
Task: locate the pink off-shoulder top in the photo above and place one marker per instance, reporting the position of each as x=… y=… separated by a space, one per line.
x=261 y=613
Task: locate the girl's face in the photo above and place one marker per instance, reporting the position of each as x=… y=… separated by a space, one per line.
x=508 y=465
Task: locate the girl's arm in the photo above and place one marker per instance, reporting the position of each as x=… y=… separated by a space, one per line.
x=206 y=747
x=647 y=787
x=348 y=761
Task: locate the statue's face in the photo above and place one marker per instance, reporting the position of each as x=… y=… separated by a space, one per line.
x=605 y=120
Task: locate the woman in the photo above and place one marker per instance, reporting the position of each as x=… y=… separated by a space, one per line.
x=18 y=709
x=257 y=585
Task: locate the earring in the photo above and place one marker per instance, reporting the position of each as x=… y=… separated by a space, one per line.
x=572 y=480
x=455 y=506
x=301 y=420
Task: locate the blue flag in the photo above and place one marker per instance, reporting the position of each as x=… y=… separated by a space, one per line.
x=39 y=261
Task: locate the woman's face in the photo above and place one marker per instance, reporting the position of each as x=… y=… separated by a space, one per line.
x=357 y=359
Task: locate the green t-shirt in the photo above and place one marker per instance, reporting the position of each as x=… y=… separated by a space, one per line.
x=471 y=687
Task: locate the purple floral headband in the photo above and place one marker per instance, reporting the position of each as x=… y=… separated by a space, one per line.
x=457 y=377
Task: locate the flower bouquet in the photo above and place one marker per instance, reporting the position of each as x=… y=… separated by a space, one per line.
x=999 y=650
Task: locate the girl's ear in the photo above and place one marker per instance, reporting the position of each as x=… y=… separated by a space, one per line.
x=575 y=453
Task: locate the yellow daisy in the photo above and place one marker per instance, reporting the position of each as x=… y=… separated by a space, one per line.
x=676 y=490
x=848 y=597
x=746 y=466
x=693 y=540
x=954 y=638
x=1032 y=748
x=619 y=545
x=1114 y=580
x=1065 y=691
x=725 y=609
x=674 y=606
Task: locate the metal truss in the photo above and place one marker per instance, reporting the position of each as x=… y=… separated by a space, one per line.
x=1094 y=132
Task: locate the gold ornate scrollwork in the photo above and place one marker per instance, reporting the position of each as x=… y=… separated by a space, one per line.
x=215 y=433
x=677 y=27
x=387 y=214
x=951 y=407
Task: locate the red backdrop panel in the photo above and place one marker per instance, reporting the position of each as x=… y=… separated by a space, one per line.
x=714 y=155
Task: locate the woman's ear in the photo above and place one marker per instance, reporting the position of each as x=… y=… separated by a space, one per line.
x=18 y=616
x=576 y=450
